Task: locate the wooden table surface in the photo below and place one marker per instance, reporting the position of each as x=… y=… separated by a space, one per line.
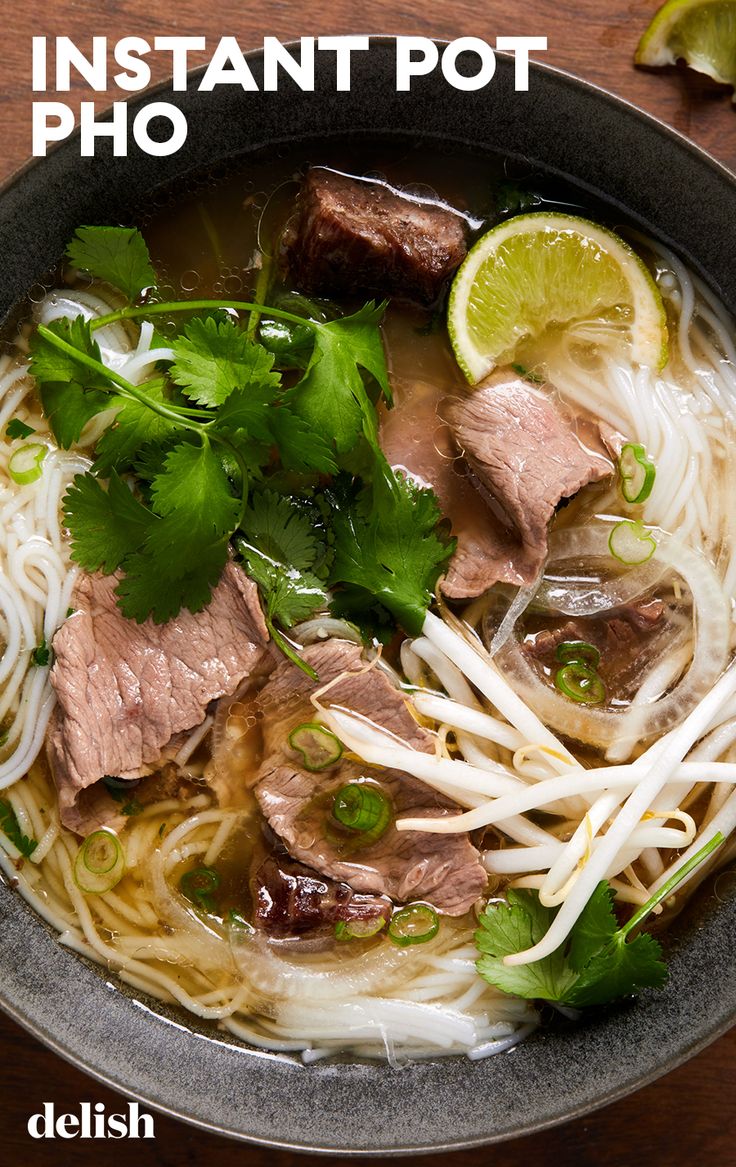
x=688 y=1116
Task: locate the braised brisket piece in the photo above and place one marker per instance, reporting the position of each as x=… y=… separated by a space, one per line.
x=290 y=899
x=350 y=235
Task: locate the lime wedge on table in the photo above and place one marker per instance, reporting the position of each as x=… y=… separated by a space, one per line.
x=700 y=32
x=540 y=271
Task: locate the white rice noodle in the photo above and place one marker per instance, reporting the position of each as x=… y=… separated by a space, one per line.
x=36 y=573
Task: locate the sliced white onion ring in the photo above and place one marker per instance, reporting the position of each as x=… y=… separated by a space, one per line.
x=601 y=727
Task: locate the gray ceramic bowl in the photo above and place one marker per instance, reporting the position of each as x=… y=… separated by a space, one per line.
x=151 y=1053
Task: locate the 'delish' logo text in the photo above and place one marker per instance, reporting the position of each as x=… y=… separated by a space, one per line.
x=92 y=1122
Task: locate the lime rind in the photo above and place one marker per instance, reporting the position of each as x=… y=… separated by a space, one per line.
x=543 y=269
x=700 y=32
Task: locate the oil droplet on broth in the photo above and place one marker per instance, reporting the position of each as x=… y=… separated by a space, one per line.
x=190 y=280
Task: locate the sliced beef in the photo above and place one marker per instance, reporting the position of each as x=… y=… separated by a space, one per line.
x=97 y=807
x=619 y=628
x=501 y=459
x=443 y=869
x=626 y=637
x=125 y=690
x=525 y=452
x=356 y=235
x=289 y=899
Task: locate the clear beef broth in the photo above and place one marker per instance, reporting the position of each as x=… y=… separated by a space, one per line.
x=208 y=241
x=218 y=238
x=212 y=228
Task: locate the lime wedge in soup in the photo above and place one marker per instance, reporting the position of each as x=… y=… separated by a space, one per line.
x=552 y=271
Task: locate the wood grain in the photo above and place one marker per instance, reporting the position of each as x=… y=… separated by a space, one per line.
x=688 y=1116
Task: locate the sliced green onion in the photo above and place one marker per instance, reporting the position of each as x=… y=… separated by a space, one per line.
x=318 y=747
x=637 y=473
x=414 y=924
x=238 y=926
x=100 y=863
x=361 y=807
x=578 y=651
x=26 y=463
x=631 y=543
x=580 y=683
x=199 y=886
x=359 y=929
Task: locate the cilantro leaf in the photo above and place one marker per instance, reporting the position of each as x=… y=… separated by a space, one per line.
x=331 y=397
x=147 y=591
x=117 y=255
x=135 y=426
x=195 y=491
x=52 y=363
x=10 y=827
x=292 y=343
x=513 y=927
x=387 y=545
x=597 y=965
x=282 y=531
x=70 y=389
x=595 y=927
x=42 y=654
x=18 y=429
x=258 y=413
x=214 y=357
x=69 y=407
x=283 y=554
x=119 y=789
x=300 y=447
x=247 y=409
x=371 y=619
x=289 y=596
x=186 y=544
x=622 y=967
x=105 y=525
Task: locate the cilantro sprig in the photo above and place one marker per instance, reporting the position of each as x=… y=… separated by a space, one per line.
x=18 y=429
x=283 y=552
x=388 y=548
x=117 y=255
x=10 y=827
x=599 y=963
x=185 y=466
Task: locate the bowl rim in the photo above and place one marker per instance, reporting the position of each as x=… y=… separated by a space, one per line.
x=31 y=1015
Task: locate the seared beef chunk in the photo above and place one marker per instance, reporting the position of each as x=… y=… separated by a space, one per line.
x=444 y=869
x=125 y=690
x=290 y=899
x=356 y=235
x=521 y=451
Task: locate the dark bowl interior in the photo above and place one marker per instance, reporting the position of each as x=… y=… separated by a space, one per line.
x=657 y=179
